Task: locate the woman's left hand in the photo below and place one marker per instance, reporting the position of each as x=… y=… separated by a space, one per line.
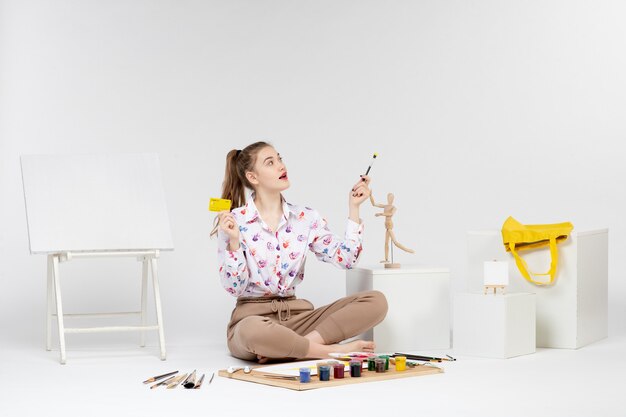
x=360 y=192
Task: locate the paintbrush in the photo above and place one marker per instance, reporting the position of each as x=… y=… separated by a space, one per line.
x=425 y=358
x=164 y=382
x=371 y=163
x=190 y=381
x=199 y=383
x=285 y=377
x=156 y=378
x=176 y=381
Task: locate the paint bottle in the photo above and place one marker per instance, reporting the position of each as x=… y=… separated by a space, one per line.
x=400 y=363
x=338 y=370
x=386 y=357
x=319 y=364
x=380 y=365
x=305 y=375
x=324 y=373
x=371 y=364
x=355 y=368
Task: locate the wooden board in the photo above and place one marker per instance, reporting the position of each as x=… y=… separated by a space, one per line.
x=367 y=376
x=95 y=203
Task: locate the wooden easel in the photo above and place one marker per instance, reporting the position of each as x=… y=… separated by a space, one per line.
x=94 y=206
x=149 y=262
x=494 y=289
x=495 y=277
x=390 y=238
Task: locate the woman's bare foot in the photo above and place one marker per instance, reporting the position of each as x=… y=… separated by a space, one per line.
x=356 y=346
x=317 y=350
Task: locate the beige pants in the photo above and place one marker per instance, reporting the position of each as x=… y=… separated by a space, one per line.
x=275 y=327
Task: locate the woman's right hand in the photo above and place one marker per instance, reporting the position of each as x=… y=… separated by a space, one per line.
x=228 y=224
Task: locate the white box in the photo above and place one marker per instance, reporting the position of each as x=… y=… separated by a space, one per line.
x=419 y=306
x=494 y=326
x=574 y=311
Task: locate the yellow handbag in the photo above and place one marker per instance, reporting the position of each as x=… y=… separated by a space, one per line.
x=519 y=237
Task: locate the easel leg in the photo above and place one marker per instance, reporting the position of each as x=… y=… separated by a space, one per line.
x=49 y=295
x=157 y=303
x=59 y=304
x=144 y=296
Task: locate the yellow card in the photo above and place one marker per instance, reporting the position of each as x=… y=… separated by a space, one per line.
x=219 y=204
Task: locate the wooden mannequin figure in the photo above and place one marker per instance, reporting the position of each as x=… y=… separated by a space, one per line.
x=388 y=212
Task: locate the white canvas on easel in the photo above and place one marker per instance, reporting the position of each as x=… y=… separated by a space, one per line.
x=96 y=206
x=95 y=202
x=496 y=276
x=496 y=273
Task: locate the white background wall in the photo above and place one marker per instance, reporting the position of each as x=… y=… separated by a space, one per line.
x=478 y=110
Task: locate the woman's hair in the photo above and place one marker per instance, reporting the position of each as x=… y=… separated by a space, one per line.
x=238 y=162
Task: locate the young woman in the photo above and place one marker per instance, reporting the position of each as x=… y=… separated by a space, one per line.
x=262 y=248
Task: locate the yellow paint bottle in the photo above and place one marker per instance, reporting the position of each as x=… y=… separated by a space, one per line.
x=400 y=363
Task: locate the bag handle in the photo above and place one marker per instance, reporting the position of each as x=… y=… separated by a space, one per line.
x=523 y=267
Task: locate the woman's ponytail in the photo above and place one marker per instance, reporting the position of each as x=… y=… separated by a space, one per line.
x=233 y=187
x=238 y=162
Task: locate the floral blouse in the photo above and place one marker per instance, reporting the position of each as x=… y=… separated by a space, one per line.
x=271 y=262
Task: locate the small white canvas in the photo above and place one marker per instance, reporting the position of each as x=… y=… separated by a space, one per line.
x=496 y=273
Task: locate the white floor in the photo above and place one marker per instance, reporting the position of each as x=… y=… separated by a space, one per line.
x=106 y=381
